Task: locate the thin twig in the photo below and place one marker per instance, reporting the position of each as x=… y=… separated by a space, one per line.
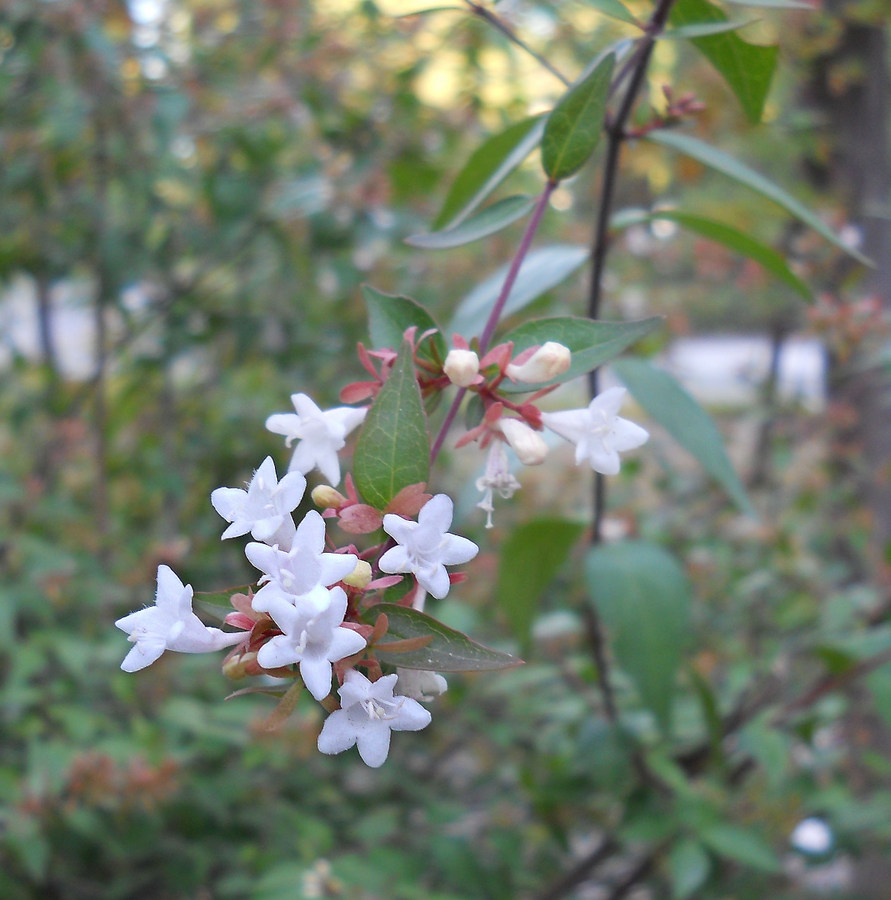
x=502 y=26
x=580 y=871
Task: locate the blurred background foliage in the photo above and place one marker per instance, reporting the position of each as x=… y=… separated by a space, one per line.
x=192 y=193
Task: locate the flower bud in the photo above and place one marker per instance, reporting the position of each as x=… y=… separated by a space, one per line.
x=548 y=361
x=235 y=667
x=360 y=576
x=461 y=367
x=420 y=684
x=326 y=497
x=529 y=445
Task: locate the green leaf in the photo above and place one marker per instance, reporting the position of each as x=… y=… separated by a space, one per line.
x=733 y=168
x=492 y=219
x=573 y=128
x=489 y=165
x=747 y=68
x=730 y=237
x=703 y=29
x=663 y=397
x=390 y=315
x=878 y=683
x=642 y=594
x=688 y=868
x=529 y=559
x=775 y=4
x=449 y=651
x=615 y=10
x=393 y=449
x=740 y=844
x=592 y=342
x=542 y=270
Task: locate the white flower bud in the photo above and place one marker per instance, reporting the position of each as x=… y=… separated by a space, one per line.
x=360 y=577
x=550 y=360
x=461 y=366
x=529 y=445
x=420 y=684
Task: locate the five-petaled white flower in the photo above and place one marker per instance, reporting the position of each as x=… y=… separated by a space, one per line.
x=320 y=434
x=425 y=547
x=265 y=508
x=300 y=576
x=598 y=432
x=313 y=639
x=170 y=625
x=369 y=712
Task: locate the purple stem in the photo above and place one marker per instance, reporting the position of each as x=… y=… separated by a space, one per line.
x=497 y=308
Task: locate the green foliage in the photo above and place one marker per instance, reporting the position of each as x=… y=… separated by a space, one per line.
x=643 y=596
x=573 y=128
x=393 y=449
x=489 y=221
x=662 y=396
x=389 y=317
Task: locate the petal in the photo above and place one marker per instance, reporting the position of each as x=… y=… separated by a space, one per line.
x=626 y=435
x=311 y=533
x=236 y=529
x=228 y=502
x=337 y=733
x=280 y=651
x=263 y=529
x=394 y=560
x=344 y=642
x=603 y=459
x=411 y=716
x=374 y=744
x=170 y=589
x=142 y=654
x=437 y=512
x=328 y=464
x=382 y=689
x=266 y=559
x=434 y=580
x=398 y=528
x=290 y=492
x=286 y=424
x=355 y=688
x=304 y=458
x=608 y=402
x=264 y=475
x=348 y=417
x=336 y=566
x=570 y=424
x=456 y=550
x=315 y=671
x=305 y=406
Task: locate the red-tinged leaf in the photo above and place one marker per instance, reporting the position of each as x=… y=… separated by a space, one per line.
x=407 y=645
x=285 y=707
x=359 y=391
x=360 y=519
x=409 y=501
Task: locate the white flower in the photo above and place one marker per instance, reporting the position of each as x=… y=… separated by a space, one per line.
x=419 y=684
x=321 y=434
x=369 y=712
x=527 y=443
x=314 y=641
x=812 y=836
x=548 y=361
x=301 y=575
x=425 y=547
x=170 y=625
x=497 y=477
x=265 y=508
x=461 y=367
x=597 y=431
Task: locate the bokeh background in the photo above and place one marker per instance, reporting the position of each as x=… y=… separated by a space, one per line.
x=191 y=194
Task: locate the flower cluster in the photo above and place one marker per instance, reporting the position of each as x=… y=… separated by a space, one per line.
x=312 y=614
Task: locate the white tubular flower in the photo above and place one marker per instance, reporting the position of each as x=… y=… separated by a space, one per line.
x=527 y=443
x=597 y=431
x=425 y=547
x=314 y=641
x=420 y=684
x=461 y=367
x=265 y=508
x=497 y=478
x=170 y=625
x=320 y=434
x=550 y=360
x=368 y=713
x=301 y=575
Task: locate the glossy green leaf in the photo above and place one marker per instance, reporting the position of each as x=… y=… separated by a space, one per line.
x=530 y=557
x=393 y=449
x=573 y=128
x=738 y=171
x=489 y=165
x=688 y=868
x=592 y=342
x=663 y=397
x=449 y=651
x=702 y=29
x=743 y=845
x=542 y=270
x=615 y=10
x=489 y=221
x=730 y=237
x=747 y=68
x=642 y=594
x=390 y=315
